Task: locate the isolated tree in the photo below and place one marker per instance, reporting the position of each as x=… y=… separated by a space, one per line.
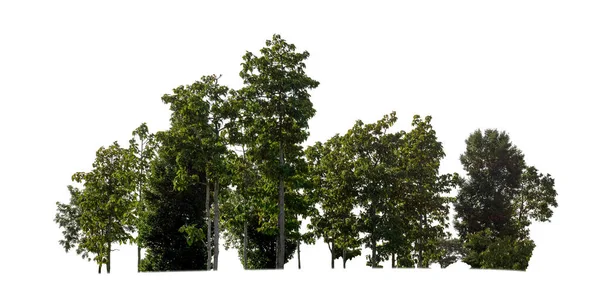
x=104 y=210
x=276 y=95
x=143 y=146
x=498 y=201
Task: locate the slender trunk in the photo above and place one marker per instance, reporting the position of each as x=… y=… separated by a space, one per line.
x=100 y=269
x=299 y=254
x=373 y=251
x=208 y=225
x=109 y=243
x=281 y=220
x=373 y=241
x=140 y=206
x=393 y=260
x=216 y=221
x=420 y=242
x=332 y=255
x=246 y=243
x=344 y=257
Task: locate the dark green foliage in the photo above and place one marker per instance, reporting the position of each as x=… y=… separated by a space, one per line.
x=452 y=250
x=498 y=201
x=169 y=209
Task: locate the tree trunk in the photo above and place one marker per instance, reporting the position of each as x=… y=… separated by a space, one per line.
x=393 y=260
x=99 y=268
x=109 y=243
x=208 y=226
x=332 y=255
x=299 y=254
x=216 y=221
x=281 y=220
x=373 y=241
x=246 y=243
x=373 y=251
x=344 y=257
x=139 y=257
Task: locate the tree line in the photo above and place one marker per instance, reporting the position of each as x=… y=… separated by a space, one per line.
x=232 y=164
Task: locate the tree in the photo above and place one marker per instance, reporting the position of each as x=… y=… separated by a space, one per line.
x=333 y=186
x=425 y=204
x=102 y=212
x=199 y=114
x=68 y=217
x=377 y=168
x=498 y=201
x=174 y=215
x=276 y=95
x=143 y=146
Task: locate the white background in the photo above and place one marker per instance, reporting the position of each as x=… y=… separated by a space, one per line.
x=78 y=75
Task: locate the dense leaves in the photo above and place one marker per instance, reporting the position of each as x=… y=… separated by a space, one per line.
x=498 y=201
x=234 y=159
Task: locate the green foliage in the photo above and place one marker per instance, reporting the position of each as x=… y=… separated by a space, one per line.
x=193 y=235
x=426 y=208
x=498 y=201
x=486 y=251
x=275 y=96
x=452 y=250
x=102 y=212
x=333 y=188
x=170 y=208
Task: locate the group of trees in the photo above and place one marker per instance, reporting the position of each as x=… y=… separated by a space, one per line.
x=232 y=164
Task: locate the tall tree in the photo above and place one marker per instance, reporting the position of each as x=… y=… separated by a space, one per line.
x=498 y=200
x=103 y=212
x=422 y=154
x=143 y=146
x=276 y=93
x=198 y=116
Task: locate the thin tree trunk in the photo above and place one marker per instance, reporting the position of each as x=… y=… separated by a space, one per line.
x=216 y=221
x=246 y=243
x=373 y=241
x=139 y=257
x=100 y=269
x=393 y=260
x=344 y=257
x=109 y=243
x=299 y=254
x=208 y=225
x=373 y=251
x=281 y=220
x=332 y=255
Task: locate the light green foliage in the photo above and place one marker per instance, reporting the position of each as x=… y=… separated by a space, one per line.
x=106 y=203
